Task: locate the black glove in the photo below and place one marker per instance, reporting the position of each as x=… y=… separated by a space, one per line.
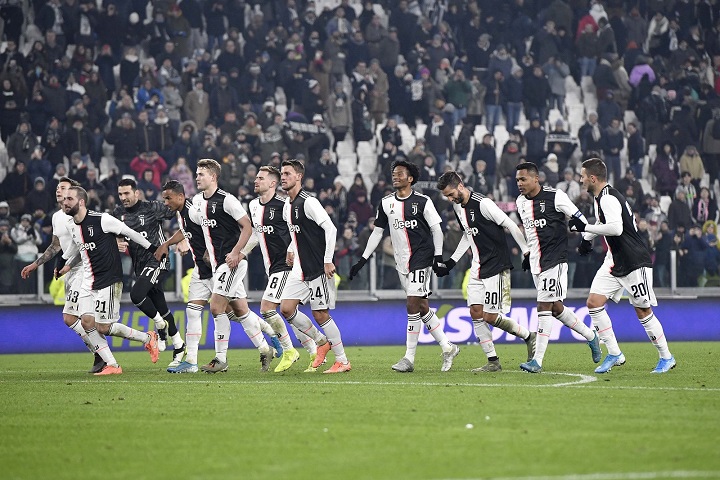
x=585 y=247
x=526 y=263
x=355 y=269
x=439 y=266
x=576 y=225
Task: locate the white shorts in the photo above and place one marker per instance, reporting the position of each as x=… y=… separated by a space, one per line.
x=492 y=293
x=276 y=286
x=416 y=283
x=73 y=282
x=199 y=289
x=229 y=282
x=320 y=292
x=104 y=304
x=638 y=283
x=552 y=284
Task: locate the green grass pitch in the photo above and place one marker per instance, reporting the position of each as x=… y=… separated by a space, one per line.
x=59 y=422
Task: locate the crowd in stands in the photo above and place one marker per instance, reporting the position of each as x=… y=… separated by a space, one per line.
x=97 y=90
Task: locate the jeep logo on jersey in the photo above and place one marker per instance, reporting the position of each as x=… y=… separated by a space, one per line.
x=91 y=231
x=472 y=231
x=294 y=228
x=411 y=224
x=269 y=229
x=414 y=208
x=209 y=223
x=142 y=219
x=188 y=235
x=271 y=215
x=87 y=246
x=542 y=206
x=530 y=223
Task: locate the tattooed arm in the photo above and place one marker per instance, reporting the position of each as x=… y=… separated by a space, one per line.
x=52 y=250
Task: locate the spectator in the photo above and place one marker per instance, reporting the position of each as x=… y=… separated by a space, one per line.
x=124 y=138
x=39 y=166
x=614 y=140
x=8 y=250
x=691 y=162
x=705 y=207
x=147 y=185
x=27 y=238
x=556 y=71
x=149 y=161
x=636 y=149
x=458 y=91
x=536 y=94
x=361 y=120
x=39 y=198
x=686 y=189
x=551 y=170
x=535 y=137
x=15 y=187
x=21 y=143
x=569 y=185
x=679 y=213
x=665 y=170
x=691 y=258
x=591 y=134
x=495 y=99
x=361 y=208
x=439 y=140
x=629 y=183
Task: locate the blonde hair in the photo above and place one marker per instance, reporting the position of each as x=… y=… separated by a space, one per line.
x=211 y=165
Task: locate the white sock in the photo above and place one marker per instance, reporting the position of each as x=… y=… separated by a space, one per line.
x=545 y=324
x=307 y=342
x=655 y=333
x=101 y=347
x=413 y=335
x=433 y=325
x=251 y=324
x=222 y=336
x=278 y=326
x=570 y=320
x=484 y=336
x=122 y=330
x=603 y=326
x=77 y=328
x=177 y=340
x=193 y=333
x=303 y=323
x=332 y=332
x=511 y=326
x=160 y=322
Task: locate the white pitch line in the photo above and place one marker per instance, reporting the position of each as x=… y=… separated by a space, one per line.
x=611 y=476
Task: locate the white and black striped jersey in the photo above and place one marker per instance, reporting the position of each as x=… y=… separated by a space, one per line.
x=59 y=224
x=147 y=219
x=409 y=220
x=194 y=235
x=94 y=238
x=627 y=250
x=544 y=219
x=218 y=217
x=304 y=216
x=481 y=221
x=272 y=233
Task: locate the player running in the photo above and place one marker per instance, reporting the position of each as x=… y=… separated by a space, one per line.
x=62 y=241
x=93 y=235
x=146 y=293
x=543 y=211
x=226 y=228
x=489 y=287
x=627 y=266
x=417 y=244
x=312 y=278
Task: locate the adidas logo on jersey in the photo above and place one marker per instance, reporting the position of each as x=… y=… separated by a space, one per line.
x=411 y=224
x=540 y=223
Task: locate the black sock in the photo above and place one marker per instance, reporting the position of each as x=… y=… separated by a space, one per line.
x=172 y=328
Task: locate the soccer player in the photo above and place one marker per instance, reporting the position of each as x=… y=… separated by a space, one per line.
x=312 y=277
x=627 y=266
x=226 y=228
x=272 y=233
x=61 y=241
x=489 y=286
x=93 y=235
x=417 y=244
x=146 y=293
x=543 y=211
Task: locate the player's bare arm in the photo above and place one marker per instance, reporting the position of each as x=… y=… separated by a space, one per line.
x=234 y=257
x=50 y=252
x=165 y=247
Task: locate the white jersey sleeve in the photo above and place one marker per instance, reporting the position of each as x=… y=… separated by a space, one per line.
x=233 y=207
x=60 y=229
x=491 y=211
x=565 y=205
x=111 y=224
x=315 y=211
x=612 y=209
x=431 y=215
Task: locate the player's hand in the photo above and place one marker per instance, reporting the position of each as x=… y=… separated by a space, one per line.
x=585 y=247
x=355 y=269
x=329 y=270
x=439 y=266
x=526 y=262
x=576 y=225
x=63 y=271
x=290 y=258
x=25 y=273
x=122 y=245
x=232 y=259
x=161 y=252
x=183 y=247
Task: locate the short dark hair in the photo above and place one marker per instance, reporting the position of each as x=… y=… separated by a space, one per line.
x=72 y=182
x=81 y=193
x=529 y=166
x=295 y=165
x=128 y=182
x=272 y=171
x=596 y=168
x=174 y=186
x=210 y=164
x=412 y=169
x=449 y=179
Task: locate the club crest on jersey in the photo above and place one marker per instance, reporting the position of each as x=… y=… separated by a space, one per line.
x=142 y=219
x=472 y=215
x=297 y=213
x=91 y=231
x=212 y=207
x=271 y=215
x=414 y=208
x=542 y=206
